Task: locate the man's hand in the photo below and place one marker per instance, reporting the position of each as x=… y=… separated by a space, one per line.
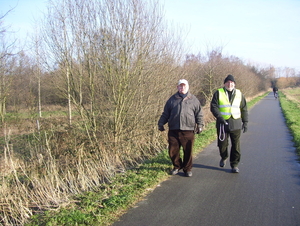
x=198 y=129
x=244 y=127
x=221 y=120
x=161 y=128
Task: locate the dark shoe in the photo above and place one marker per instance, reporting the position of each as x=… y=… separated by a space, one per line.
x=235 y=170
x=222 y=162
x=188 y=173
x=174 y=171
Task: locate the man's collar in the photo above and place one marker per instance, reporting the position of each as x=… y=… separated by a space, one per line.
x=186 y=95
x=228 y=90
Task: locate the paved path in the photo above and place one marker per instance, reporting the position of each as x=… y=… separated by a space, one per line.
x=266 y=192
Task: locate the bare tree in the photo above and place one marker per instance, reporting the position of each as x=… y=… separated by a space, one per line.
x=6 y=49
x=114 y=57
x=37 y=70
x=209 y=73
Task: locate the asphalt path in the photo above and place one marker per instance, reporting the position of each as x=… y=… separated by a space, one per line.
x=265 y=192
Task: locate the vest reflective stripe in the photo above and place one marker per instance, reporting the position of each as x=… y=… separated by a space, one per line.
x=227 y=110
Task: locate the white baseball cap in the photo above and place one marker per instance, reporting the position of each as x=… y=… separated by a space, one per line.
x=183 y=81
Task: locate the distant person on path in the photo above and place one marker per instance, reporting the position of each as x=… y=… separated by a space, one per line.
x=275 y=91
x=184 y=116
x=229 y=107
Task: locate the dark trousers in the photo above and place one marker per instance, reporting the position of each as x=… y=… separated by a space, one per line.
x=235 y=152
x=184 y=139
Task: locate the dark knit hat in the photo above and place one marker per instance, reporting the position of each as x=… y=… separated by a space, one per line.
x=229 y=77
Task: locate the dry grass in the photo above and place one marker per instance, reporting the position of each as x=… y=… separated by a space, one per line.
x=42 y=170
x=48 y=176
x=292 y=94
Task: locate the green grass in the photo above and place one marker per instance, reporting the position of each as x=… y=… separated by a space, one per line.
x=105 y=205
x=291 y=113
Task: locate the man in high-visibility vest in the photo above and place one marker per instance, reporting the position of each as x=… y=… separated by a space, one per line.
x=229 y=107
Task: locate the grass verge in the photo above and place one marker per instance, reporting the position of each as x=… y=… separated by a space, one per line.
x=290 y=109
x=106 y=204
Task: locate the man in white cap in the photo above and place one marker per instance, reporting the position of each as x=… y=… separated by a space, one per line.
x=184 y=116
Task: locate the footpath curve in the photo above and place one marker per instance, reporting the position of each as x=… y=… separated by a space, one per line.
x=265 y=192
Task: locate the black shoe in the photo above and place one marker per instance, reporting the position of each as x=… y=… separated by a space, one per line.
x=222 y=162
x=188 y=173
x=174 y=171
x=235 y=170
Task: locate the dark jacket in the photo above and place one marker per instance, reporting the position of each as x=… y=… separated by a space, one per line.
x=182 y=114
x=234 y=124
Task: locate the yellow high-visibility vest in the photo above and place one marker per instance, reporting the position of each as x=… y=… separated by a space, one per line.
x=227 y=110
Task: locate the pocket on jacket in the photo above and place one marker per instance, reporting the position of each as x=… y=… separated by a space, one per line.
x=234 y=124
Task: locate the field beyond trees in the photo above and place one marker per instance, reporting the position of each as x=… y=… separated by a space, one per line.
x=292 y=94
x=79 y=105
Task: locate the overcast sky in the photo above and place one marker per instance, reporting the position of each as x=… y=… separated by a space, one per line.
x=263 y=32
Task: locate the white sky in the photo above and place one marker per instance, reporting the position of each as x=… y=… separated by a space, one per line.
x=265 y=32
